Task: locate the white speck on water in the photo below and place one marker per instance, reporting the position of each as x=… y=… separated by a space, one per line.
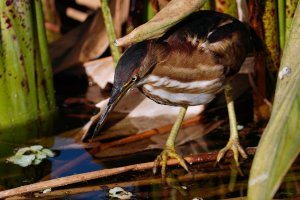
x=240 y=127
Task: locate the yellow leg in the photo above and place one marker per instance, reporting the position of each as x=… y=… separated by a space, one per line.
x=169 y=151
x=233 y=143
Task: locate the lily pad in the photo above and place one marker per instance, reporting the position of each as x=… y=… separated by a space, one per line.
x=32 y=155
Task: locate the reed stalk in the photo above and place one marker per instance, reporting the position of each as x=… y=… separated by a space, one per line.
x=51 y=17
x=111 y=34
x=290 y=8
x=207 y=5
x=26 y=88
x=270 y=24
x=281 y=23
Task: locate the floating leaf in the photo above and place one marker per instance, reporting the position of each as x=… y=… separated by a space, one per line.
x=32 y=155
x=119 y=193
x=22 y=160
x=36 y=147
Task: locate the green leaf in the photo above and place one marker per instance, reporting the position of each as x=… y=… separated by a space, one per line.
x=280 y=143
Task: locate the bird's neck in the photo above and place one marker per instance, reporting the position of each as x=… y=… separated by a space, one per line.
x=157 y=52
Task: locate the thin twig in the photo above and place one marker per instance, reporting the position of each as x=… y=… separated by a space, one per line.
x=202 y=157
x=143 y=182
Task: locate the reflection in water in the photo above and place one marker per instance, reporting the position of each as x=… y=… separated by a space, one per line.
x=63 y=161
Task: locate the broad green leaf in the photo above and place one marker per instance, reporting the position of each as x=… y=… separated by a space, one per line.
x=280 y=143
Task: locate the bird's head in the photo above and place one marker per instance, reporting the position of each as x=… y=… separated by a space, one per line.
x=126 y=75
x=127 y=72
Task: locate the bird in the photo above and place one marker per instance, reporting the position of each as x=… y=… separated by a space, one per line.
x=189 y=65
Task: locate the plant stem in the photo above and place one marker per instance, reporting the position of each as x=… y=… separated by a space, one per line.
x=290 y=9
x=110 y=30
x=26 y=88
x=281 y=23
x=207 y=5
x=271 y=35
x=46 y=69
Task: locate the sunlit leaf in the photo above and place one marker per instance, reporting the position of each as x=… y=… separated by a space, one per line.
x=280 y=143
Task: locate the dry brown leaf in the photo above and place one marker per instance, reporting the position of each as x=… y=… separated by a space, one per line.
x=243 y=11
x=101 y=71
x=87 y=41
x=148 y=115
x=171 y=14
x=92 y=4
x=141 y=114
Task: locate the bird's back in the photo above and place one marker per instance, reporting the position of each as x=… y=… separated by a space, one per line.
x=198 y=55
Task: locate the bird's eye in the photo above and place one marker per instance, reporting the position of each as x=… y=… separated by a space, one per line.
x=134 y=78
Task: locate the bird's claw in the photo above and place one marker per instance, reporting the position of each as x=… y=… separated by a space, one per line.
x=168 y=152
x=236 y=148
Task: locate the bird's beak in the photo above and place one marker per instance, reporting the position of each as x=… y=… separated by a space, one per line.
x=116 y=96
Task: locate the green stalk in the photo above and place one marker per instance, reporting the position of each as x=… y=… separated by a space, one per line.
x=207 y=5
x=3 y=87
x=281 y=23
x=26 y=88
x=13 y=74
x=291 y=6
x=46 y=83
x=149 y=12
x=280 y=142
x=111 y=34
x=271 y=35
x=51 y=17
x=228 y=7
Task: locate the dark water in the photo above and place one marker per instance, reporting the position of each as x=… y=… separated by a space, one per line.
x=207 y=180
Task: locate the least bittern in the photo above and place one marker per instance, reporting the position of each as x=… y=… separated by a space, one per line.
x=187 y=66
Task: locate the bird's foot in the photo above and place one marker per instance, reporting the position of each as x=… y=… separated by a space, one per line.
x=168 y=152
x=235 y=147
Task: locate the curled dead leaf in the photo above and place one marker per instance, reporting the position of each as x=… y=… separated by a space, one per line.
x=171 y=14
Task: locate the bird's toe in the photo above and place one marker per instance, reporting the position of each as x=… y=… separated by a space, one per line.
x=236 y=148
x=166 y=154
